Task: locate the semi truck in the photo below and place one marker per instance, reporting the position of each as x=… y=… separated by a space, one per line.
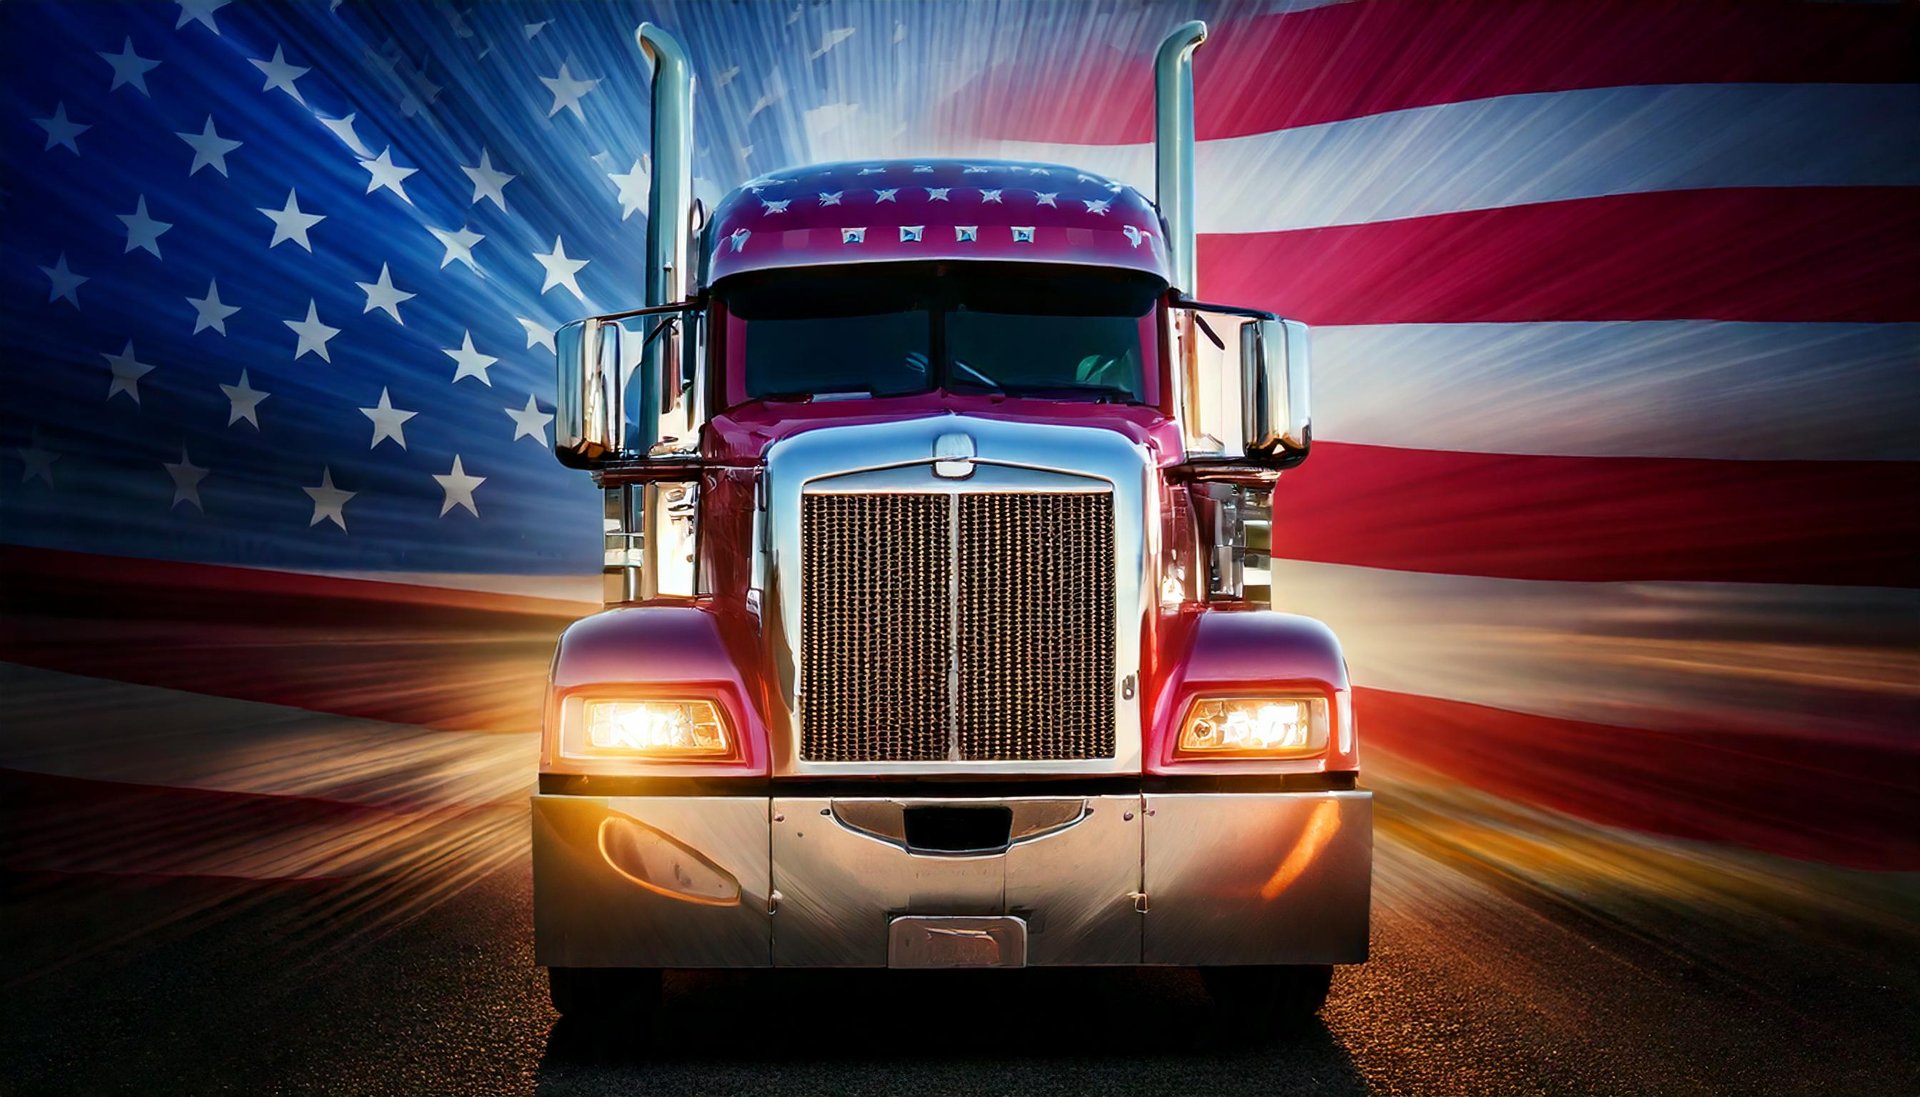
x=939 y=631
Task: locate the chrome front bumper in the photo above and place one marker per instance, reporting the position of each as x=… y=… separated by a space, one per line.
x=814 y=881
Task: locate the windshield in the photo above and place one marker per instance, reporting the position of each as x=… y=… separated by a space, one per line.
x=1062 y=333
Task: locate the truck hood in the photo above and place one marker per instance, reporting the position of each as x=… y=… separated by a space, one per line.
x=741 y=435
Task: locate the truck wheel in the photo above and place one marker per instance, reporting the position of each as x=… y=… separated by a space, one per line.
x=1256 y=1002
x=597 y=992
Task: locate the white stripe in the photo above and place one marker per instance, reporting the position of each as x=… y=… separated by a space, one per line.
x=1685 y=388
x=1523 y=149
x=95 y=729
x=453 y=804
x=1802 y=660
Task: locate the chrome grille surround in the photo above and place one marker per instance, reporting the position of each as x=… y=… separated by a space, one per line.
x=1014 y=459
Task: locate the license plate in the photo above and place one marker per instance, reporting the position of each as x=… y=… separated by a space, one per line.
x=923 y=941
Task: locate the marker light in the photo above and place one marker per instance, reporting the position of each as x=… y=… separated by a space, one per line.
x=653 y=729
x=1255 y=727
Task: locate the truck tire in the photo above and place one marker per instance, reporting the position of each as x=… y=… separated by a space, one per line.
x=1256 y=1002
x=592 y=993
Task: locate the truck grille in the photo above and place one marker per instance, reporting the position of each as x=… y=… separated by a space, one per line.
x=978 y=627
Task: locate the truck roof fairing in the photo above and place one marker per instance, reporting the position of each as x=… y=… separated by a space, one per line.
x=882 y=211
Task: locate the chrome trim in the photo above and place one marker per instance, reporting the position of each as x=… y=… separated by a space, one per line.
x=1173 y=149
x=1010 y=456
x=886 y=820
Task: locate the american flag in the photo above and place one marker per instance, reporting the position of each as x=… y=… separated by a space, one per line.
x=1617 y=341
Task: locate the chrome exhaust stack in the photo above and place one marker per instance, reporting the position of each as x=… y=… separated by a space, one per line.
x=1173 y=150
x=670 y=211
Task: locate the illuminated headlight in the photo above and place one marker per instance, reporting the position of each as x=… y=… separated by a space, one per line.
x=1255 y=727
x=660 y=729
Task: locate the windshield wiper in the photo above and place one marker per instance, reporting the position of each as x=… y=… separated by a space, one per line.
x=1069 y=391
x=849 y=392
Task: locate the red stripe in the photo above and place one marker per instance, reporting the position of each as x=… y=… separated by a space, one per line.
x=1801 y=797
x=383 y=651
x=1767 y=254
x=1603 y=519
x=1350 y=60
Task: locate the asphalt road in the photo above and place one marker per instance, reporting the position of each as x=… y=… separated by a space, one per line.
x=1513 y=953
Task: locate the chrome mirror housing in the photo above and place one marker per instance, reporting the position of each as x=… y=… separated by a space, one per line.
x=1244 y=386
x=1274 y=382
x=598 y=419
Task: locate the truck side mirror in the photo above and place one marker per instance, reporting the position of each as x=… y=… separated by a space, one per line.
x=1243 y=386
x=599 y=418
x=1274 y=383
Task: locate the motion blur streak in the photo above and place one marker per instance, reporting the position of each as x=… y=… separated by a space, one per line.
x=1319 y=830
x=1618 y=404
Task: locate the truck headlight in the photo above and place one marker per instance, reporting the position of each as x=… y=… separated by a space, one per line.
x=1255 y=727
x=657 y=729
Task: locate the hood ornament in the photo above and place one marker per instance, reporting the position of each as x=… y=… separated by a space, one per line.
x=953 y=456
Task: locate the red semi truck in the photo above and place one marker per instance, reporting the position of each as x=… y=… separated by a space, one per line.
x=937 y=513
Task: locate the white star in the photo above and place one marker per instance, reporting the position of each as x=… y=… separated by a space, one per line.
x=488 y=181
x=127 y=371
x=469 y=362
x=201 y=10
x=886 y=195
x=531 y=29
x=329 y=502
x=560 y=269
x=383 y=172
x=343 y=129
x=289 y=223
x=832 y=199
x=937 y=194
x=771 y=207
x=60 y=129
x=459 y=489
x=738 y=238
x=989 y=196
x=530 y=421
x=38 y=462
x=313 y=334
x=208 y=148
x=210 y=311
x=130 y=68
x=1046 y=198
x=186 y=480
x=387 y=421
x=281 y=75
x=1134 y=235
x=245 y=401
x=143 y=231
x=459 y=244
x=382 y=295
x=1098 y=206
x=633 y=189
x=537 y=336
x=567 y=92
x=63 y=282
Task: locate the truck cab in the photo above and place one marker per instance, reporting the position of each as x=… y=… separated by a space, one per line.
x=936 y=516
